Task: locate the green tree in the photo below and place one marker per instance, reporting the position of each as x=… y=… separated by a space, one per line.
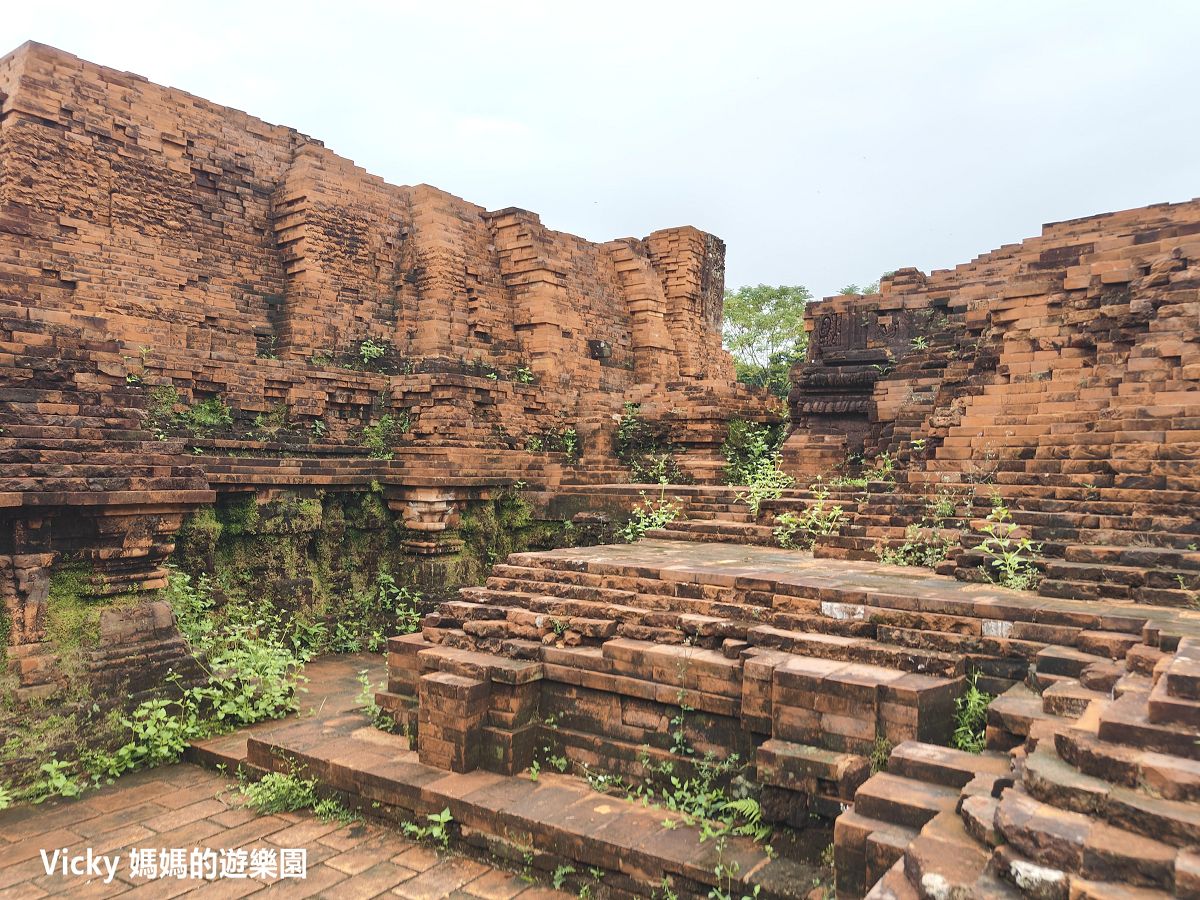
x=764 y=330
x=872 y=288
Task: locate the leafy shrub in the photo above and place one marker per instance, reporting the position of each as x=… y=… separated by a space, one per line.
x=380 y=438
x=163 y=413
x=881 y=751
x=279 y=792
x=970 y=717
x=799 y=531
x=56 y=779
x=369 y=351
x=645 y=448
x=883 y=469
x=746 y=444
x=362 y=615
x=556 y=440
x=917 y=550
x=208 y=415
x=366 y=698
x=764 y=481
x=649 y=514
x=1013 y=559
x=437 y=830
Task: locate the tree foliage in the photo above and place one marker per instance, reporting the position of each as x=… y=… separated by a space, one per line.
x=872 y=288
x=764 y=330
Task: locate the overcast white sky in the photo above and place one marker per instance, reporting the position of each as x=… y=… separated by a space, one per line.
x=826 y=143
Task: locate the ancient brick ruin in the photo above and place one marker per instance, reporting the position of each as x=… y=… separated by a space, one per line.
x=211 y=326
x=160 y=252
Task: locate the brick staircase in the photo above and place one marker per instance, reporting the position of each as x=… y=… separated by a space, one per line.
x=803 y=670
x=1097 y=797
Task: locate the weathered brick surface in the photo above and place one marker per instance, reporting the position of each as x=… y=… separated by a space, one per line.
x=152 y=242
x=1061 y=374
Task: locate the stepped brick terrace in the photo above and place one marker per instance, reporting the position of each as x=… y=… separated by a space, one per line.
x=233 y=363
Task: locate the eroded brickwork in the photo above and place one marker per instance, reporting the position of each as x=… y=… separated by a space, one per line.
x=163 y=257
x=1060 y=376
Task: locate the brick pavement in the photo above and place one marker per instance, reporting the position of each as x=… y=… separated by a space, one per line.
x=184 y=806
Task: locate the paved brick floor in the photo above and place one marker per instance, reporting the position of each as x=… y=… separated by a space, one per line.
x=184 y=806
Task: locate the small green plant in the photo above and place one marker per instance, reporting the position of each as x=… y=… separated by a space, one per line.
x=920 y=548
x=764 y=481
x=1193 y=597
x=970 y=717
x=270 y=423
x=6 y=797
x=919 y=343
x=318 y=429
x=746 y=444
x=278 y=792
x=523 y=375
x=437 y=831
x=535 y=770
x=883 y=469
x=645 y=448
x=881 y=750
x=569 y=439
x=941 y=507
x=559 y=878
x=56 y=779
x=208 y=415
x=649 y=514
x=366 y=698
x=160 y=409
x=799 y=531
x=1013 y=559
x=369 y=351
x=380 y=438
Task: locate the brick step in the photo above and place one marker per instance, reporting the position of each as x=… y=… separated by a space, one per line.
x=1092 y=590
x=1067 y=661
x=866 y=850
x=945 y=766
x=945 y=854
x=1135 y=557
x=629 y=584
x=1014 y=716
x=766 y=572
x=903 y=801
x=815 y=771
x=1049 y=779
x=556 y=811
x=846 y=648
x=1126 y=721
x=1068 y=698
x=1182 y=674
x=1165 y=708
x=1075 y=843
x=836 y=546
x=723 y=515
x=1129 y=576
x=1164 y=775
x=715 y=530
x=894 y=885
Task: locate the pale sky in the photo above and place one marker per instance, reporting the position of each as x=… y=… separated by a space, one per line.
x=825 y=142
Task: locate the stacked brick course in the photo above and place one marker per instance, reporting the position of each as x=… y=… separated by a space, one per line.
x=159 y=252
x=1061 y=375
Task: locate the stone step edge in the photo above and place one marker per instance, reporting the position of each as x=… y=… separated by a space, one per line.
x=421 y=797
